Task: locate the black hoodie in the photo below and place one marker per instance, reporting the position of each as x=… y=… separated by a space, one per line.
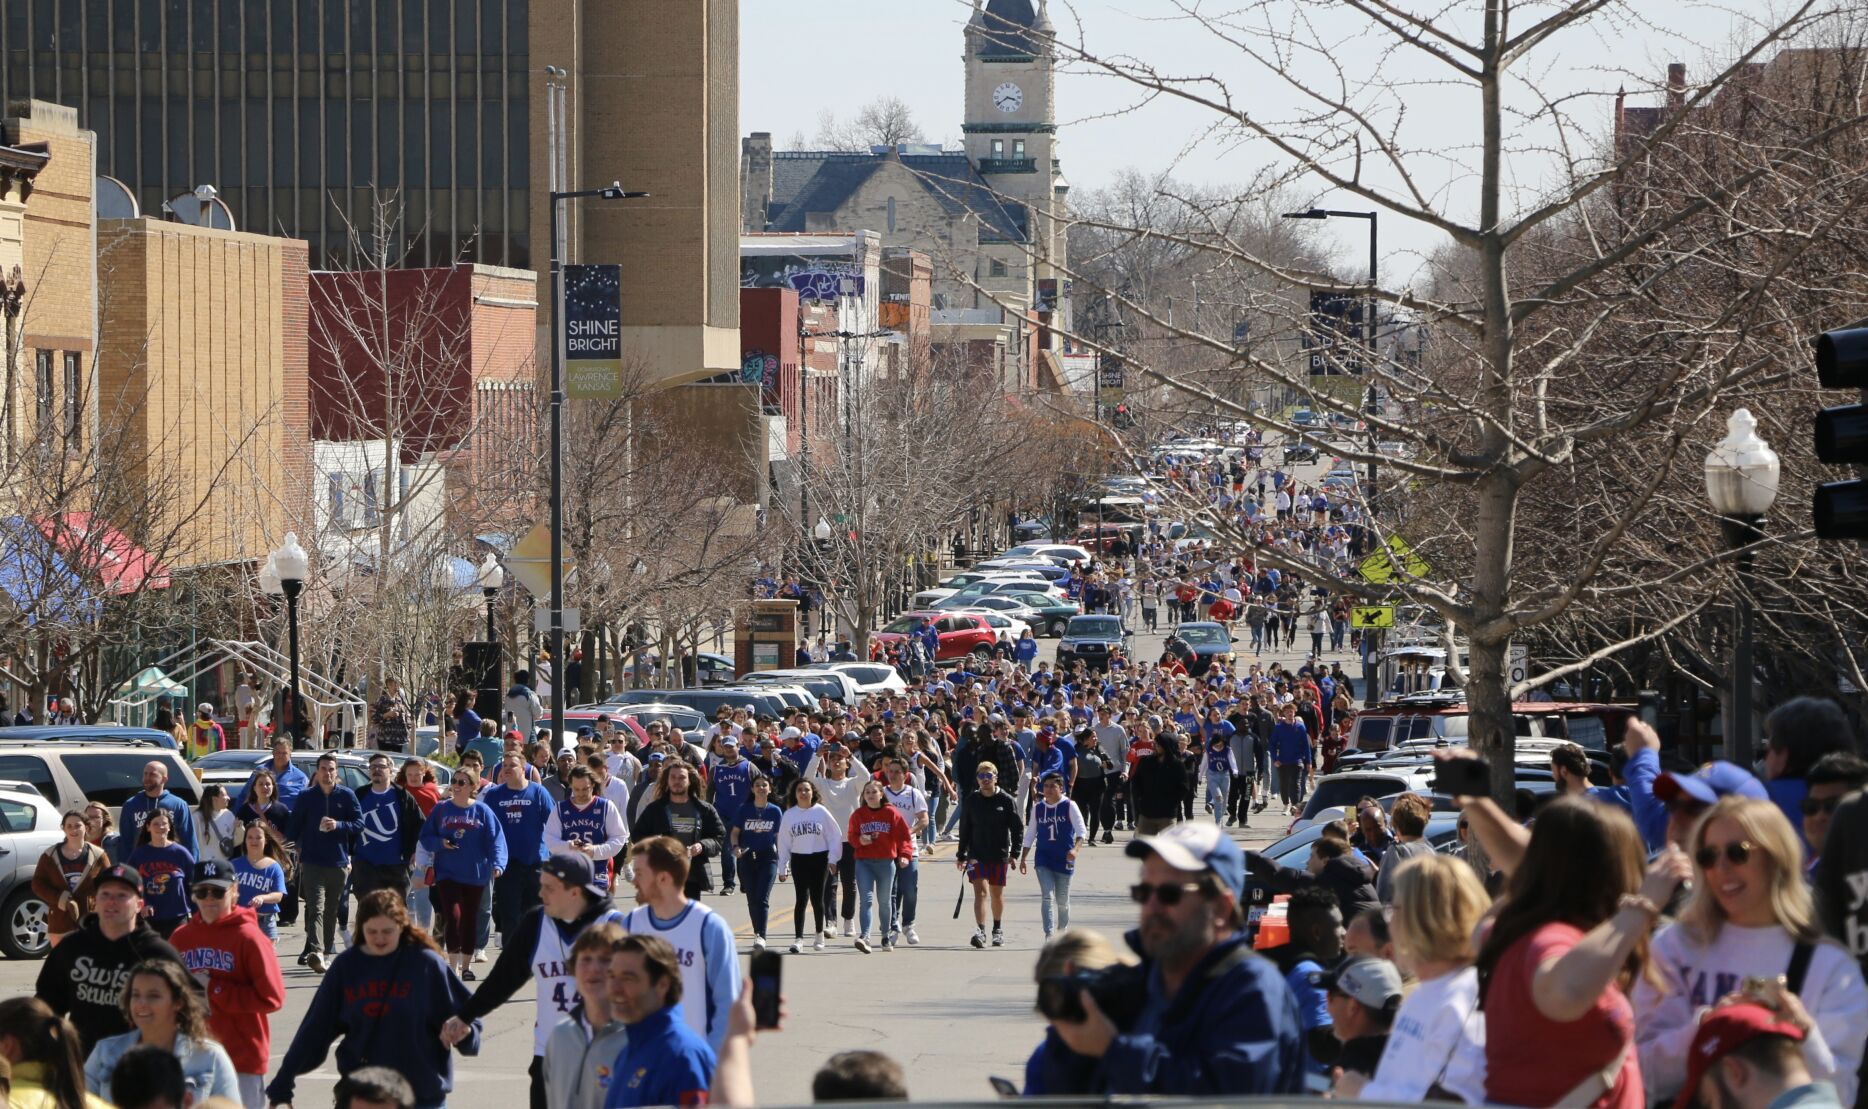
x=1350 y=879
x=84 y=976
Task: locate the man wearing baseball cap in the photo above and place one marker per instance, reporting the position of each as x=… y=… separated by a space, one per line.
x=222 y=946
x=84 y=976
x=1363 y=995
x=1217 y=1019
x=1746 y=1056
x=1686 y=796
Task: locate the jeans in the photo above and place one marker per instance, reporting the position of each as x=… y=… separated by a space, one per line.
x=1338 y=629
x=757 y=871
x=1316 y=643
x=1217 y=787
x=1053 y=898
x=1258 y=638
x=514 y=891
x=322 y=888
x=268 y=925
x=875 y=882
x=907 y=896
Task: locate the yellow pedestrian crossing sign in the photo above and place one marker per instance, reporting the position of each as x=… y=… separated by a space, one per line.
x=1379 y=568
x=1372 y=616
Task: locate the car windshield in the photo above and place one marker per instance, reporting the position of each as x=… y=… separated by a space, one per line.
x=1345 y=792
x=1204 y=637
x=1031 y=600
x=900 y=625
x=1096 y=627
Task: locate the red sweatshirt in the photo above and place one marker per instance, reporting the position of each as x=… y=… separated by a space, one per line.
x=892 y=840
x=244 y=984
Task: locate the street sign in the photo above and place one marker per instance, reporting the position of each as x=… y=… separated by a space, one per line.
x=1380 y=567
x=593 y=332
x=1112 y=373
x=1372 y=616
x=573 y=620
x=529 y=562
x=1520 y=663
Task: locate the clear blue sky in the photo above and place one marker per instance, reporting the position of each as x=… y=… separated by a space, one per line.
x=798 y=60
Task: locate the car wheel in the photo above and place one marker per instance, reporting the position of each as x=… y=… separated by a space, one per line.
x=1056 y=628
x=23 y=932
x=982 y=654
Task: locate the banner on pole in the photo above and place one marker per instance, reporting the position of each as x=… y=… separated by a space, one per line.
x=593 y=332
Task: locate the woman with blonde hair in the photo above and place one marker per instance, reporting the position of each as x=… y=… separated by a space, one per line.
x=1438 y=1038
x=1750 y=916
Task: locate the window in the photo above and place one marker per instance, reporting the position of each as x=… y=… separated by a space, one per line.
x=995 y=268
x=74 y=365
x=336 y=480
x=17 y=816
x=113 y=777
x=371 y=508
x=891 y=215
x=998 y=148
x=1018 y=148
x=42 y=387
x=32 y=770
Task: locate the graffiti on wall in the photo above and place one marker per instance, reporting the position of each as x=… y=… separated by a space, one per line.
x=761 y=369
x=812 y=278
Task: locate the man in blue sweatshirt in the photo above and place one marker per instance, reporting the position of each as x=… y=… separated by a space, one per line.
x=523 y=807
x=1291 y=755
x=665 y=1061
x=392 y=822
x=290 y=778
x=156 y=795
x=730 y=779
x=323 y=819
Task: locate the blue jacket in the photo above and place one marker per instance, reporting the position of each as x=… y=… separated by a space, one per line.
x=1232 y=1030
x=1290 y=742
x=205 y=1066
x=522 y=815
x=316 y=846
x=1650 y=815
x=291 y=783
x=664 y=1063
x=389 y=1010
x=137 y=808
x=1025 y=649
x=479 y=844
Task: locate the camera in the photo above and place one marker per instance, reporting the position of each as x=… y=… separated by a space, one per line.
x=1119 y=991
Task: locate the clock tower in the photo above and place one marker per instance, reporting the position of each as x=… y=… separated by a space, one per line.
x=1011 y=122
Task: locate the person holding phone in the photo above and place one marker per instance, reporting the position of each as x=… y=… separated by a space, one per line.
x=469 y=849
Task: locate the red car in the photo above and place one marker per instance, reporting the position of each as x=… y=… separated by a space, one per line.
x=961 y=634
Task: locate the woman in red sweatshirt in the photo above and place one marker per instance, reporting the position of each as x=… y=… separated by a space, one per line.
x=223 y=947
x=882 y=843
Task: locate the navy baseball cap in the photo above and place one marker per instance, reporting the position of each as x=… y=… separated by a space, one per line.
x=213 y=872
x=1709 y=783
x=120 y=873
x=574 y=870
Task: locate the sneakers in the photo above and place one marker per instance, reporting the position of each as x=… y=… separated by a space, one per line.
x=830 y=933
x=797 y=947
x=888 y=944
x=758 y=943
x=979 y=937
x=480 y=956
x=317 y=963
x=849 y=927
x=727 y=889
x=468 y=975
x=1108 y=838
x=862 y=944
x=304 y=958
x=818 y=944
x=913 y=940
x=998 y=938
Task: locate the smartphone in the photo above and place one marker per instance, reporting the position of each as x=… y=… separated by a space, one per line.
x=1463 y=778
x=1004 y=1087
x=767 y=976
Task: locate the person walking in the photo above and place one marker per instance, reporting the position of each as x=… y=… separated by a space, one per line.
x=165 y=866
x=155 y=796
x=1158 y=784
x=1057 y=833
x=883 y=844
x=835 y=773
x=391 y=829
x=324 y=819
x=581 y=1051
x=701 y=939
x=469 y=850
x=167 y=1014
x=729 y=784
x=539 y=951
x=678 y=813
x=523 y=808
x=809 y=844
x=1291 y=756
x=260 y=876
x=912 y=803
x=587 y=824
x=665 y=1060
x=84 y=977
x=216 y=825
x=383 y=1003
x=755 y=848
x=65 y=878
x=990 y=831
x=223 y=946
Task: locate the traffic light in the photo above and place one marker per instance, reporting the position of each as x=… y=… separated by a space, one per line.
x=1841 y=507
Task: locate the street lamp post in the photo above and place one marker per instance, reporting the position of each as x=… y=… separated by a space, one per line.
x=1741 y=483
x=492 y=578
x=613 y=191
x=820 y=535
x=290 y=566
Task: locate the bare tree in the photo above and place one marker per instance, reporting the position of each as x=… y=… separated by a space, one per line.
x=884 y=121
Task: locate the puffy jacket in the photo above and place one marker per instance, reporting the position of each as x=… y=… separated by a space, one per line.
x=48 y=881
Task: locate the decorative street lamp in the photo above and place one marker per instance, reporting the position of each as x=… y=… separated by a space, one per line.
x=492 y=578
x=1741 y=483
x=290 y=566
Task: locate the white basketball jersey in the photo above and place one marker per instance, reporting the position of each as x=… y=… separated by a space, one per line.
x=684 y=935
x=557 y=984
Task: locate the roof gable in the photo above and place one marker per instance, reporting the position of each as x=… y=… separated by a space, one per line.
x=824 y=181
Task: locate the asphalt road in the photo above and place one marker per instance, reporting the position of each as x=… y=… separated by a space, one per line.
x=952 y=1015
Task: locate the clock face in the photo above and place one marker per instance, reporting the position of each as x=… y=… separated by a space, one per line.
x=1008 y=97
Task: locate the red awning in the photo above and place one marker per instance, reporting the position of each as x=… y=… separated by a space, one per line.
x=93 y=547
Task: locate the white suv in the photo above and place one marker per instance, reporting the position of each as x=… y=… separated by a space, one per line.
x=28 y=826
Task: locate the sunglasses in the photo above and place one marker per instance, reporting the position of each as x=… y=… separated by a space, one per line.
x=1813 y=805
x=1168 y=893
x=206 y=893
x=1737 y=853
x=985 y=777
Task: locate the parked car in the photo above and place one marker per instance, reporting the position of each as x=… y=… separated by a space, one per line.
x=981 y=582
x=1300 y=451
x=233 y=769
x=1344 y=789
x=1294 y=851
x=1091 y=638
x=1019 y=584
x=821 y=683
x=989 y=602
x=1069 y=552
x=1304 y=417
x=105 y=733
x=764 y=702
x=28 y=826
x=70 y=773
x=961 y=633
x=1198 y=642
x=871 y=677
x=712 y=669
x=1053 y=613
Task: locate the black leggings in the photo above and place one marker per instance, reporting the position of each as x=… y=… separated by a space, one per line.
x=1093 y=798
x=846 y=874
x=807 y=874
